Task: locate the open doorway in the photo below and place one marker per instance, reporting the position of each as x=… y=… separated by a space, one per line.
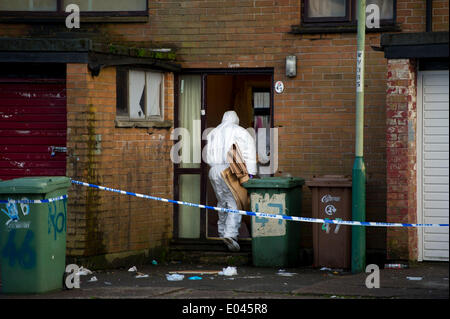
x=204 y=97
x=242 y=94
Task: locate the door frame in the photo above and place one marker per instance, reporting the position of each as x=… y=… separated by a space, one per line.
x=203 y=170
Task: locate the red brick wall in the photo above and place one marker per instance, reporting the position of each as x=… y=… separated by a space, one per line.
x=315 y=114
x=401 y=158
x=440 y=15
x=411 y=14
x=124 y=158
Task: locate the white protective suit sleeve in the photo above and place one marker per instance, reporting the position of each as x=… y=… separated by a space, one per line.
x=247 y=147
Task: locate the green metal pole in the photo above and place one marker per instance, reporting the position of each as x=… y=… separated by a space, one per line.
x=359 y=170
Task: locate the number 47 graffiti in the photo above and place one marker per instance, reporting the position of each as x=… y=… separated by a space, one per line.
x=326 y=226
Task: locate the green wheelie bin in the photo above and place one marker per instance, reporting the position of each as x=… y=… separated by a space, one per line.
x=275 y=242
x=33 y=235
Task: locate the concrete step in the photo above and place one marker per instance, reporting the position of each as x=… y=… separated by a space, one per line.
x=209 y=252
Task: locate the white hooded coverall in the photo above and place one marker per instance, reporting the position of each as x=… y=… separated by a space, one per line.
x=219 y=142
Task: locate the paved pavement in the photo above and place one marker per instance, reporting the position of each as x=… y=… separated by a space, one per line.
x=420 y=281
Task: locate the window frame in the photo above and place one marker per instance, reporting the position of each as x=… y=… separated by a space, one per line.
x=326 y=20
x=126 y=120
x=348 y=20
x=383 y=22
x=60 y=13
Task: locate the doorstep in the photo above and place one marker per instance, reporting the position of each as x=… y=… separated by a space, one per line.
x=209 y=252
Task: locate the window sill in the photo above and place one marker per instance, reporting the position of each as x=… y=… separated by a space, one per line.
x=124 y=123
x=310 y=29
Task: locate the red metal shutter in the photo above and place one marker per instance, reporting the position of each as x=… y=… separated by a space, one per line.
x=33 y=121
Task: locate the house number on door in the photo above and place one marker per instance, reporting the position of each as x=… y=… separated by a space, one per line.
x=326 y=227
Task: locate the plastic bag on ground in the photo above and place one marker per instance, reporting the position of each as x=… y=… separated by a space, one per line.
x=229 y=271
x=83 y=272
x=174 y=277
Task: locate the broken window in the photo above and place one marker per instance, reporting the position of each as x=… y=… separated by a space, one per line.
x=140 y=95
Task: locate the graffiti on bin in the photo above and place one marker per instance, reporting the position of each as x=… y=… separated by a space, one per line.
x=275 y=204
x=328 y=198
x=12 y=211
x=57 y=217
x=326 y=226
x=23 y=254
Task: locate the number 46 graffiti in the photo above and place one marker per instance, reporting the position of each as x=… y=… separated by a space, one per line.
x=326 y=226
x=24 y=253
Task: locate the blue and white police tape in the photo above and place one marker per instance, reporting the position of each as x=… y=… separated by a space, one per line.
x=259 y=214
x=11 y=208
x=32 y=201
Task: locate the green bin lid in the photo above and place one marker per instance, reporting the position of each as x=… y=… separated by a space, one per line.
x=274 y=182
x=34 y=185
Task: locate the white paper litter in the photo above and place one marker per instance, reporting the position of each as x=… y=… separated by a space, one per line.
x=132 y=269
x=414 y=278
x=174 y=277
x=283 y=272
x=229 y=271
x=83 y=272
x=93 y=279
x=141 y=275
x=325 y=268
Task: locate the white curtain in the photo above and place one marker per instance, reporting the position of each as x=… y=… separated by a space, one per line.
x=28 y=5
x=386 y=7
x=326 y=8
x=136 y=89
x=154 y=93
x=190 y=104
x=189 y=184
x=189 y=217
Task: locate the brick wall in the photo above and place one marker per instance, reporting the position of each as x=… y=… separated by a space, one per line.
x=315 y=114
x=401 y=157
x=411 y=14
x=440 y=15
x=124 y=158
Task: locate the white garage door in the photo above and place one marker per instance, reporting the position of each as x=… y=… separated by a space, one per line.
x=433 y=163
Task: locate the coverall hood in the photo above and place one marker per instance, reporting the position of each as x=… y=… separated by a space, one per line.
x=230 y=117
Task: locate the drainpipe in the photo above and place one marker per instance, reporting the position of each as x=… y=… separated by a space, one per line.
x=359 y=170
x=429 y=16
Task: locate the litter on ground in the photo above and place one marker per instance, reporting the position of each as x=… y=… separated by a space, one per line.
x=83 y=272
x=283 y=272
x=414 y=278
x=229 y=271
x=195 y=278
x=174 y=277
x=196 y=272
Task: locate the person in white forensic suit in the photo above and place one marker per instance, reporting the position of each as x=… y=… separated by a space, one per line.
x=219 y=142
